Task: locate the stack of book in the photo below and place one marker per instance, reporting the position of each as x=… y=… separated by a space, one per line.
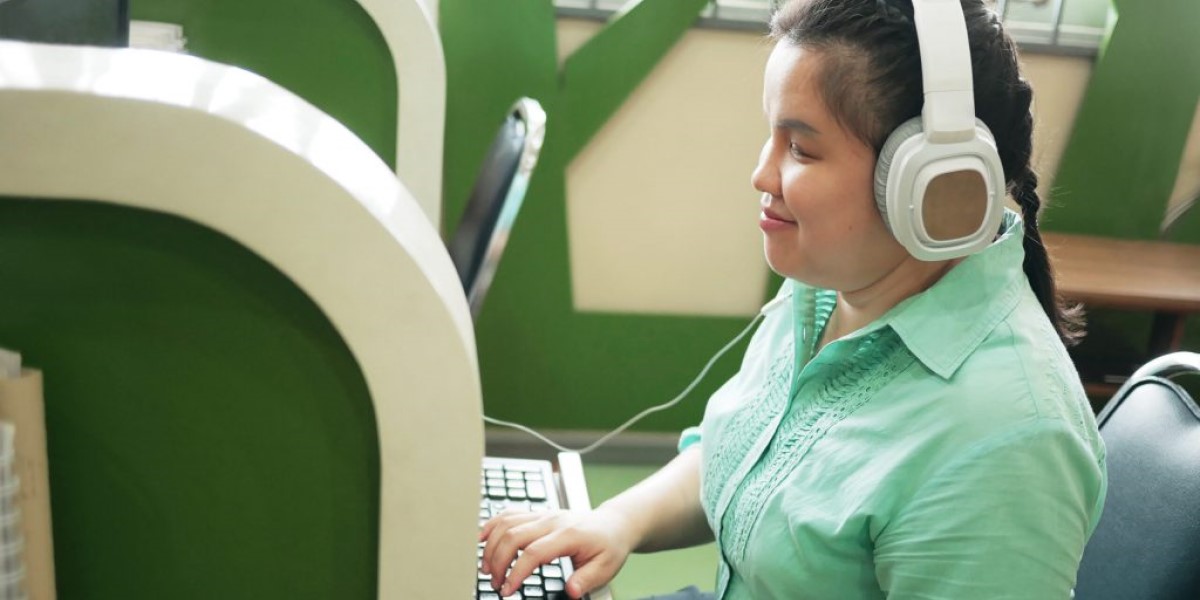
x=12 y=542
x=26 y=542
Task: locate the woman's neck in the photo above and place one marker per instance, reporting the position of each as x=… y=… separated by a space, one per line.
x=858 y=308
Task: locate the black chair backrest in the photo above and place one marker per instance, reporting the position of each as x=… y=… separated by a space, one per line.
x=1147 y=543
x=499 y=190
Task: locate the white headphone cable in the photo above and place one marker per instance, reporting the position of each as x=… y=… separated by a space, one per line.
x=653 y=409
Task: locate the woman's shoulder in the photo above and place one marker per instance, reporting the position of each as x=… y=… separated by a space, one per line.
x=1019 y=377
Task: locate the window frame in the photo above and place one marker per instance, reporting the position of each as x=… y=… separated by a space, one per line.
x=752 y=15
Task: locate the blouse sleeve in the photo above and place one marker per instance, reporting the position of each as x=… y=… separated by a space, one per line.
x=1007 y=519
x=690 y=436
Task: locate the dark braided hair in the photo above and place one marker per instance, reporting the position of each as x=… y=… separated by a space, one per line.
x=871 y=83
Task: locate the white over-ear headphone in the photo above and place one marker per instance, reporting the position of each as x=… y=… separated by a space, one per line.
x=944 y=161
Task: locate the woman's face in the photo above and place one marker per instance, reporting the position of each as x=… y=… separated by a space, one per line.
x=819 y=220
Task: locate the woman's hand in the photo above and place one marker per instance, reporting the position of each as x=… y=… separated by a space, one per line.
x=660 y=513
x=598 y=542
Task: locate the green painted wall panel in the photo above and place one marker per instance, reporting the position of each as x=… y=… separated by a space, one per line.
x=495 y=53
x=1121 y=162
x=209 y=433
x=599 y=76
x=542 y=362
x=329 y=52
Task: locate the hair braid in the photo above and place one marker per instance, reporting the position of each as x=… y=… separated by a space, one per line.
x=1067 y=319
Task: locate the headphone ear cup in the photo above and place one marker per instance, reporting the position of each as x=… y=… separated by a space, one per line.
x=883 y=164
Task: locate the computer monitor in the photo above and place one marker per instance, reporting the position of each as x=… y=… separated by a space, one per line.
x=84 y=22
x=496 y=199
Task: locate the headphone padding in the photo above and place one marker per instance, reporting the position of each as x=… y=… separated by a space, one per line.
x=883 y=164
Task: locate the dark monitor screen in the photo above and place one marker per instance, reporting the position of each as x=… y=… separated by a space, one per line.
x=86 y=22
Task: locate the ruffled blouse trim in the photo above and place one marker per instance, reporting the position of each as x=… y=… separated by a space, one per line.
x=876 y=360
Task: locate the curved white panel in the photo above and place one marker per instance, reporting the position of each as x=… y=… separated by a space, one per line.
x=410 y=29
x=234 y=152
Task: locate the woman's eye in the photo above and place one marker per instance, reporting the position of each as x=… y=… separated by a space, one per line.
x=795 y=151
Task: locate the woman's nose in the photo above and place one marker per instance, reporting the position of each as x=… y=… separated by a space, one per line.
x=765 y=177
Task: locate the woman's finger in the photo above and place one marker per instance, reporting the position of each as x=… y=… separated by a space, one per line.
x=504 y=546
x=593 y=574
x=491 y=523
x=495 y=529
x=536 y=554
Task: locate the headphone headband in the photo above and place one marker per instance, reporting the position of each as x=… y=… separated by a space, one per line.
x=939 y=182
x=949 y=113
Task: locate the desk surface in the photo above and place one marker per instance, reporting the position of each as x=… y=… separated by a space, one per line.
x=1151 y=275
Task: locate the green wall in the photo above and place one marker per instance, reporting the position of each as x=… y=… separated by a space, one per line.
x=544 y=363
x=1122 y=160
x=209 y=433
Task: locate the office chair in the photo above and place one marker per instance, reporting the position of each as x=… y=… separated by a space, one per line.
x=496 y=198
x=1147 y=544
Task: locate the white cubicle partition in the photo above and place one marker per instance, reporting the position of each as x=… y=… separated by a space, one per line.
x=238 y=154
x=410 y=29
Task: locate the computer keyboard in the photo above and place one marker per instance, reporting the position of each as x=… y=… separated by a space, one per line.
x=527 y=484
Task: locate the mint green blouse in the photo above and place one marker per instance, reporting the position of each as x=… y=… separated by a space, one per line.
x=945 y=451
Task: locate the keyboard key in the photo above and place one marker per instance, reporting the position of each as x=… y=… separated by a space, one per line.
x=497 y=492
x=485 y=586
x=516 y=493
x=536 y=491
x=494 y=473
x=532 y=580
x=533 y=592
x=554 y=584
x=552 y=571
x=489 y=596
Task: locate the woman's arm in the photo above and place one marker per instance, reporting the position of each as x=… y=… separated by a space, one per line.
x=664 y=510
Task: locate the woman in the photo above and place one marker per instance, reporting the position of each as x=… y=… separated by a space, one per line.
x=938 y=443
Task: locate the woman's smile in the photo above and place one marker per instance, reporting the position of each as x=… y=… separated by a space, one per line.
x=771 y=220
